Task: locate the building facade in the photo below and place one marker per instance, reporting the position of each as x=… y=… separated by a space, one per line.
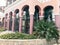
x=20 y=15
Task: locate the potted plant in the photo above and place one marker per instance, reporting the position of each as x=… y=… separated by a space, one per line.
x=46 y=30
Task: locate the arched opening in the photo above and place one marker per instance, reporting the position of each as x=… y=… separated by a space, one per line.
x=36 y=13
x=48 y=11
x=26 y=19
x=10 y=21
x=16 y=23
x=3 y=21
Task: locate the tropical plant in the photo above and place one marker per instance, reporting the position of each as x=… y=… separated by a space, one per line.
x=46 y=29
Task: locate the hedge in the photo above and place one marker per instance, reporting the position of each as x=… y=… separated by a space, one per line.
x=17 y=36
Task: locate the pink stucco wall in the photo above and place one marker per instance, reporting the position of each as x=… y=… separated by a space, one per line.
x=32 y=4
x=57 y=18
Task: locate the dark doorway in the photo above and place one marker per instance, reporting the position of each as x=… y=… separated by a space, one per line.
x=36 y=15
x=16 y=24
x=10 y=21
x=48 y=13
x=26 y=19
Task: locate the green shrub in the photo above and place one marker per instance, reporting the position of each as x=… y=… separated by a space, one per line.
x=2 y=29
x=17 y=36
x=46 y=29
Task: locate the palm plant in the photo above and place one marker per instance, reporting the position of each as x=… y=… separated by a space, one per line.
x=46 y=29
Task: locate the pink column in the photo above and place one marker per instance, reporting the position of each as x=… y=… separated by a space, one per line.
x=20 y=25
x=4 y=23
x=12 y=24
x=57 y=21
x=13 y=20
x=31 y=23
x=20 y=21
x=8 y=23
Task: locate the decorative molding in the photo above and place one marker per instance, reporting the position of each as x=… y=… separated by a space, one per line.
x=11 y=6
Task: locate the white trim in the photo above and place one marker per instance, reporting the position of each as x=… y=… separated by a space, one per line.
x=58 y=15
x=11 y=6
x=41 y=16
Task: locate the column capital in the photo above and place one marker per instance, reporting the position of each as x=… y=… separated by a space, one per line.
x=41 y=12
x=13 y=15
x=21 y=14
x=31 y=10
